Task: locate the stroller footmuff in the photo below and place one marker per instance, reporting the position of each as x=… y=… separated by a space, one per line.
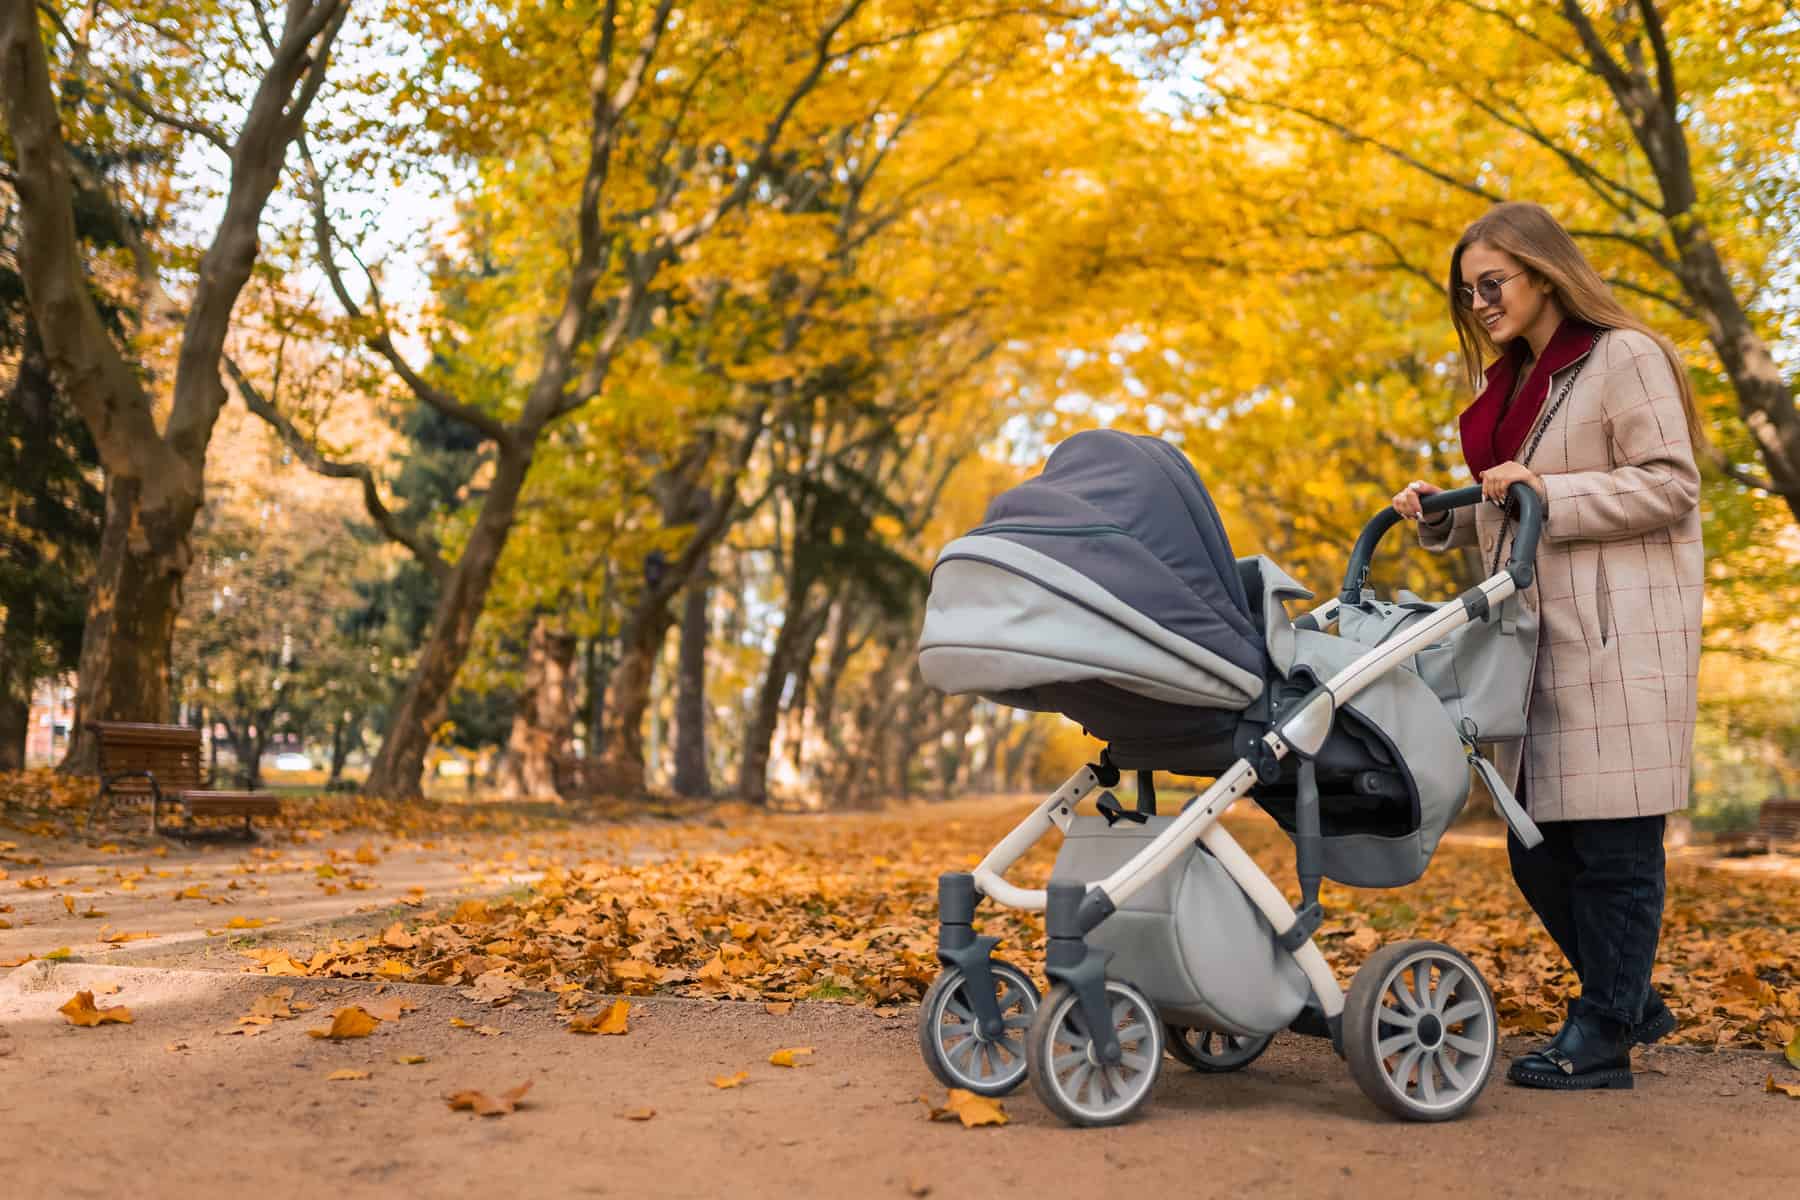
x=1105 y=589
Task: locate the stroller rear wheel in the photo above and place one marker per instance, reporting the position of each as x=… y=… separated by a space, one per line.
x=1214 y=1053
x=1420 y=1031
x=1066 y=1071
x=957 y=1052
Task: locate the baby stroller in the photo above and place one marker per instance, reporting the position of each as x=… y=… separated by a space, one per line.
x=1105 y=589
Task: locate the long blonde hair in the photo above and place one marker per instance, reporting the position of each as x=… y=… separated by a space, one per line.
x=1530 y=234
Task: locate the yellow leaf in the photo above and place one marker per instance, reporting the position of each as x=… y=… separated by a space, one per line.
x=393 y=968
x=409 y=1060
x=639 y=1114
x=1787 y=1089
x=486 y=1105
x=785 y=1058
x=459 y=1023
x=351 y=1021
x=116 y=939
x=397 y=937
x=730 y=1081
x=58 y=954
x=779 y=1008
x=345 y=1074
x=1792 y=1053
x=80 y=1010
x=967 y=1107
x=391 y=1008
x=245 y=923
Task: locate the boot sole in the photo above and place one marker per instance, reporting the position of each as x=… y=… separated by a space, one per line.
x=1654 y=1031
x=1606 y=1077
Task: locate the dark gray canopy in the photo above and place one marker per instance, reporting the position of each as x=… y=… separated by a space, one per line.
x=1172 y=563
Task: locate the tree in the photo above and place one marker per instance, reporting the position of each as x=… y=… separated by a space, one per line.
x=154 y=476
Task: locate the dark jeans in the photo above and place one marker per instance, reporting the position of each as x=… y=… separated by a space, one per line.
x=1598 y=888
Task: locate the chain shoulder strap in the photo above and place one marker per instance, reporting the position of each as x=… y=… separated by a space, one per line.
x=1543 y=427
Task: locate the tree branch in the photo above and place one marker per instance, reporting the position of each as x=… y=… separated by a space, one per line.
x=421 y=545
x=147 y=106
x=1665 y=64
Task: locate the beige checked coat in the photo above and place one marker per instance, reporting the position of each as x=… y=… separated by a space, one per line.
x=1618 y=591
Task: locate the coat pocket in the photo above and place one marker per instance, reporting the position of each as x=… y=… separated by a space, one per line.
x=1602 y=598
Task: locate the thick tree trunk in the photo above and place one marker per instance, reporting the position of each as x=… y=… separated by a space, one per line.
x=400 y=765
x=599 y=673
x=793 y=643
x=124 y=669
x=16 y=645
x=692 y=778
x=544 y=720
x=621 y=767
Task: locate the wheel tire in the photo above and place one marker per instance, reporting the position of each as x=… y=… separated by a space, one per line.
x=946 y=1009
x=1403 y=1030
x=1213 y=1053
x=1059 y=1022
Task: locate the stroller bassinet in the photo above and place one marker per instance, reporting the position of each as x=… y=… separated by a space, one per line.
x=1105 y=589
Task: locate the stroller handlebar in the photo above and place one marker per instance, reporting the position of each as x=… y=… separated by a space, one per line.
x=1521 y=499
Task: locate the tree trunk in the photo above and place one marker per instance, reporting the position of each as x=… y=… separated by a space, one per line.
x=692 y=778
x=16 y=645
x=544 y=720
x=599 y=673
x=399 y=767
x=621 y=767
x=124 y=669
x=343 y=736
x=799 y=630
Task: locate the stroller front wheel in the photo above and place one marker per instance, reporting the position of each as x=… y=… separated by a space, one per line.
x=1067 y=1073
x=1214 y=1053
x=1420 y=1031
x=959 y=1055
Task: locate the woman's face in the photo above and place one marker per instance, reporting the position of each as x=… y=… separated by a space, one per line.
x=1522 y=296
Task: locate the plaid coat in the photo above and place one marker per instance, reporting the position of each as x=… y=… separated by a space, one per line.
x=1618 y=589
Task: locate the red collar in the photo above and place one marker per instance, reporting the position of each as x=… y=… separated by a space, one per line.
x=1490 y=436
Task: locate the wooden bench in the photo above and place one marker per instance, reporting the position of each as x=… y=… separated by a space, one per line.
x=164 y=765
x=1777 y=828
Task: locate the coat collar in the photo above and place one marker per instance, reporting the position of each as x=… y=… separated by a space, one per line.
x=1493 y=431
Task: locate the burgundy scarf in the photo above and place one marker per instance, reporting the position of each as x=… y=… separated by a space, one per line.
x=1492 y=431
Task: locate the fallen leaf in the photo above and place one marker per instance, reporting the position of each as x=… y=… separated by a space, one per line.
x=397 y=937
x=731 y=1081
x=80 y=1010
x=17 y=962
x=785 y=1058
x=409 y=1060
x=1787 y=1089
x=351 y=1021
x=172 y=1047
x=967 y=1107
x=245 y=923
x=391 y=1008
x=779 y=1008
x=116 y=939
x=1792 y=1053
x=345 y=1074
x=639 y=1114
x=612 y=1021
x=58 y=954
x=486 y=1105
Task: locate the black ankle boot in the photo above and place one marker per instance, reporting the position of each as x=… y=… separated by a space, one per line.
x=1587 y=1053
x=1658 y=1022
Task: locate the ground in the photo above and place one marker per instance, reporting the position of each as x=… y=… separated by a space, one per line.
x=481 y=948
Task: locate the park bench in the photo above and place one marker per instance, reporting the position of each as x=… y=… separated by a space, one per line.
x=1777 y=828
x=163 y=764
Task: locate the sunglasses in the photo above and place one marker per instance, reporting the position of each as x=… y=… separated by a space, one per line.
x=1489 y=289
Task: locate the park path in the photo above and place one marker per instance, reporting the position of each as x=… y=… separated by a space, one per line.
x=171 y=1105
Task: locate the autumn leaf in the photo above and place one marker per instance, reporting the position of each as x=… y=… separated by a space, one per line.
x=345 y=1074
x=409 y=1060
x=391 y=1008
x=60 y=954
x=397 y=937
x=80 y=1010
x=1792 y=1052
x=730 y=1081
x=1786 y=1089
x=779 y=1008
x=639 y=1114
x=489 y=1106
x=351 y=1021
x=785 y=1058
x=116 y=939
x=967 y=1107
x=612 y=1021
x=245 y=923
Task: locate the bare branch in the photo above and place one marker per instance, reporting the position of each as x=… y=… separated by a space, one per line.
x=147 y=106
x=421 y=545
x=1665 y=64
x=1649 y=293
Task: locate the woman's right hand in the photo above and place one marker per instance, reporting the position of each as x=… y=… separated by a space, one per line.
x=1406 y=500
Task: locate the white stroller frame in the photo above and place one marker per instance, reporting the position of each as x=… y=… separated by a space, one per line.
x=1075 y=909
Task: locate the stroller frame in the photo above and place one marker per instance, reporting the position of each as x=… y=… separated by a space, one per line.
x=1073 y=910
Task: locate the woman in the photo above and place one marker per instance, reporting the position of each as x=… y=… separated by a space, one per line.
x=1593 y=410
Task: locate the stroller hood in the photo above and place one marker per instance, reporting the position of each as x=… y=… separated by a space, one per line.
x=1111 y=567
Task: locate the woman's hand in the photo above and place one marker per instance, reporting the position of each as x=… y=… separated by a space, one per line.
x=1497 y=480
x=1407 y=499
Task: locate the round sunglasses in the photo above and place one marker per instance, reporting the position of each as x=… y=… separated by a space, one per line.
x=1489 y=289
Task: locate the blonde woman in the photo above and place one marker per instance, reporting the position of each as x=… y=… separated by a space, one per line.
x=1593 y=410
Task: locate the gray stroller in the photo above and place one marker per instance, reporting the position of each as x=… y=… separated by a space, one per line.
x=1104 y=589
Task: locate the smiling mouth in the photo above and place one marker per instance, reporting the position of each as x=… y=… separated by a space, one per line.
x=1492 y=320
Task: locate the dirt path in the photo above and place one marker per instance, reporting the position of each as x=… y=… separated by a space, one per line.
x=114 y=1111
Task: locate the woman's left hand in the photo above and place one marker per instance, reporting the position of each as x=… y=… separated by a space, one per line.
x=1497 y=480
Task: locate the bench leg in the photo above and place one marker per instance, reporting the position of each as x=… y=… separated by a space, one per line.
x=102 y=802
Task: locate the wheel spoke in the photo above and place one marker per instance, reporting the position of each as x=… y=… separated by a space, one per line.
x=1467 y=1045
x=1428 y=1077
x=1462 y=1012
x=1451 y=1074
x=1137 y=1062
x=1448 y=982
x=1063 y=1062
x=1396 y=1018
x=1388 y=1047
x=960 y=1009
x=1078 y=1082
x=1115 y=1081
x=1403 y=1072
x=1121 y=1011
x=966 y=1051
x=1023 y=1021
x=1132 y=1033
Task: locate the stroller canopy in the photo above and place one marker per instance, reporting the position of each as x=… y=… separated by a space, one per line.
x=1110 y=567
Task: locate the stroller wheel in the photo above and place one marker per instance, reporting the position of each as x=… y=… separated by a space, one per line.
x=1214 y=1053
x=956 y=1051
x=1068 y=1076
x=1420 y=1031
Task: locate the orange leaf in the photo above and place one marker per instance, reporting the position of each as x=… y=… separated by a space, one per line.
x=967 y=1107
x=409 y=1060
x=785 y=1058
x=80 y=1010
x=779 y=1008
x=351 y=1021
x=731 y=1081
x=345 y=1074
x=639 y=1114
x=1787 y=1089
x=486 y=1105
